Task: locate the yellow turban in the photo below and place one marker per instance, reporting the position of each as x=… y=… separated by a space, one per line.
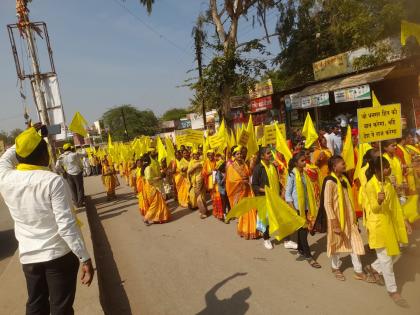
x=27 y=142
x=237 y=149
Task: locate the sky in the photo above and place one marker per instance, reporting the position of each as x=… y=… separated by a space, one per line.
x=108 y=53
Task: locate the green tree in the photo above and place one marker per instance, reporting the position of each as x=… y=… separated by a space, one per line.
x=137 y=122
x=175 y=114
x=311 y=30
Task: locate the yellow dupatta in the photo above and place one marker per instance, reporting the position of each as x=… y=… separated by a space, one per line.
x=413 y=148
x=341 y=198
x=30 y=167
x=301 y=194
x=396 y=168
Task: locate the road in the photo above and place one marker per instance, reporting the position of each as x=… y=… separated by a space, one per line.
x=193 y=266
x=8 y=243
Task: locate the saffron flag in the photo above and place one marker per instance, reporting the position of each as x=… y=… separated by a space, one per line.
x=409 y=29
x=309 y=132
x=78 y=124
x=348 y=151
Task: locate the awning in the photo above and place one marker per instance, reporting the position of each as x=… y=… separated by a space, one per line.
x=346 y=82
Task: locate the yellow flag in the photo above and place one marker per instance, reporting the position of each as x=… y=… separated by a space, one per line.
x=281 y=145
x=348 y=151
x=110 y=145
x=363 y=148
x=375 y=102
x=409 y=29
x=309 y=132
x=161 y=150
x=170 y=150
x=78 y=124
x=252 y=141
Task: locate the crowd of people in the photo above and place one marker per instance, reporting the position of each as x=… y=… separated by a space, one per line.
x=381 y=191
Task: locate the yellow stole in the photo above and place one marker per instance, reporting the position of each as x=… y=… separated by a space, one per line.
x=413 y=148
x=341 y=198
x=30 y=167
x=273 y=178
x=301 y=194
x=396 y=168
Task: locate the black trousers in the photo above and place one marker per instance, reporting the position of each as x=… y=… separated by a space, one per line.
x=51 y=286
x=303 y=246
x=225 y=203
x=77 y=188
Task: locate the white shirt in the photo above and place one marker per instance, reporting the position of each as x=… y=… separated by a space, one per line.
x=71 y=161
x=40 y=204
x=329 y=142
x=337 y=143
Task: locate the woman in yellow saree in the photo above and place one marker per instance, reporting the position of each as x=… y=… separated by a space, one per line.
x=139 y=185
x=181 y=179
x=238 y=187
x=320 y=158
x=108 y=179
x=156 y=210
x=197 y=191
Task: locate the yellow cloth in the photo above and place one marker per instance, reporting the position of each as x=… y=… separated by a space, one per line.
x=385 y=222
x=309 y=132
x=301 y=194
x=29 y=167
x=341 y=198
x=396 y=168
x=411 y=181
x=409 y=29
x=78 y=124
x=27 y=141
x=281 y=145
x=348 y=151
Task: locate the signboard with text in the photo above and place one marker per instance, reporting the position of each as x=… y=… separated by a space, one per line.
x=261 y=89
x=331 y=66
x=357 y=93
x=320 y=99
x=379 y=123
x=261 y=104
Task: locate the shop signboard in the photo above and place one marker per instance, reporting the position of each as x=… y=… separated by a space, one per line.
x=292 y=101
x=261 y=104
x=261 y=89
x=184 y=124
x=331 y=66
x=379 y=123
x=320 y=99
x=357 y=93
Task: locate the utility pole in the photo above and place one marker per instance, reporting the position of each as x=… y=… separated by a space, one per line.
x=199 y=37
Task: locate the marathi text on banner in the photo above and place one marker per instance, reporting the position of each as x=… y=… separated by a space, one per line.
x=379 y=123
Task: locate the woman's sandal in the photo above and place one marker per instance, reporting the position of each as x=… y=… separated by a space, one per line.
x=364 y=277
x=314 y=264
x=378 y=277
x=338 y=275
x=203 y=216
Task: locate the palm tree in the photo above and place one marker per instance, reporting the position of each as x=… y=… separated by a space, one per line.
x=148 y=4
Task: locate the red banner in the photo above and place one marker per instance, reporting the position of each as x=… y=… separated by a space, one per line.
x=262 y=103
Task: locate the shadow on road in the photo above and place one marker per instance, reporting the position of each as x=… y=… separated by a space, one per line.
x=236 y=305
x=8 y=243
x=113 y=297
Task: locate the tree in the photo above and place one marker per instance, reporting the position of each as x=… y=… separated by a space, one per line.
x=174 y=114
x=13 y=134
x=137 y=122
x=313 y=30
x=232 y=70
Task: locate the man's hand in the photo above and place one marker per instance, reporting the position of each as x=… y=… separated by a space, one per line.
x=87 y=272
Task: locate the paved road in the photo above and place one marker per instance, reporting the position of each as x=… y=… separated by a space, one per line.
x=193 y=266
x=8 y=243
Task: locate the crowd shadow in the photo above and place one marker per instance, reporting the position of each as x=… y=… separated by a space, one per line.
x=180 y=213
x=112 y=295
x=235 y=305
x=8 y=243
x=120 y=199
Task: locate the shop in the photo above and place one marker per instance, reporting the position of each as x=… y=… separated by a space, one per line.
x=336 y=100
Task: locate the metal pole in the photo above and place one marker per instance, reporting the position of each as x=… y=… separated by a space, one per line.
x=127 y=138
x=39 y=95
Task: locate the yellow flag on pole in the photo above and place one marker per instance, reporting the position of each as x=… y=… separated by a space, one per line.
x=252 y=141
x=170 y=150
x=348 y=151
x=375 y=102
x=409 y=29
x=309 y=132
x=161 y=150
x=110 y=145
x=78 y=124
x=281 y=145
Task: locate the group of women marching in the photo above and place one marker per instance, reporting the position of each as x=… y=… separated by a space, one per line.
x=382 y=190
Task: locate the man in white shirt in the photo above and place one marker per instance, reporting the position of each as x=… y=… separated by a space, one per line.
x=70 y=162
x=51 y=245
x=337 y=142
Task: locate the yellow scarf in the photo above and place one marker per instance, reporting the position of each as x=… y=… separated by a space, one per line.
x=407 y=156
x=30 y=167
x=413 y=148
x=273 y=178
x=301 y=194
x=396 y=168
x=341 y=198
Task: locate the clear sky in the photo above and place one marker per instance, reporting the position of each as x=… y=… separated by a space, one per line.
x=104 y=56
